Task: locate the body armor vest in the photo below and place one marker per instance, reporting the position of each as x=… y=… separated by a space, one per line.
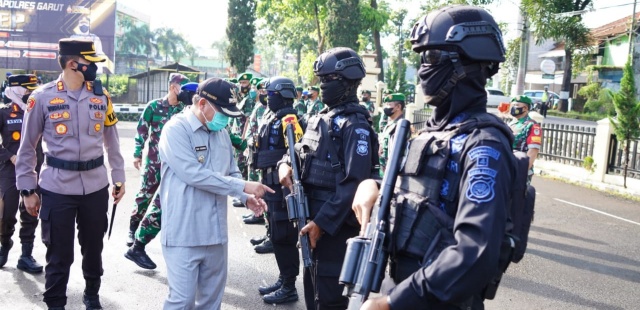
x=271 y=144
x=319 y=167
x=427 y=196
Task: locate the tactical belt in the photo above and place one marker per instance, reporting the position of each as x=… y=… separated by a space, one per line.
x=74 y=165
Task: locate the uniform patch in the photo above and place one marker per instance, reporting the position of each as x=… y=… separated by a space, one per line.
x=201 y=148
x=536 y=131
x=536 y=139
x=66 y=115
x=362 y=131
x=339 y=120
x=60 y=85
x=457 y=143
x=61 y=129
x=55 y=115
x=481 y=185
x=14 y=121
x=58 y=107
x=97 y=114
x=31 y=102
x=95 y=100
x=483 y=162
x=15 y=136
x=444 y=188
x=56 y=101
x=99 y=107
x=484 y=151
x=97 y=127
x=13 y=115
x=363 y=148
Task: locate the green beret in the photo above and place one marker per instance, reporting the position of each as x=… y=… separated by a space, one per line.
x=394 y=97
x=260 y=84
x=299 y=89
x=234 y=81
x=245 y=77
x=366 y=92
x=254 y=81
x=314 y=88
x=523 y=99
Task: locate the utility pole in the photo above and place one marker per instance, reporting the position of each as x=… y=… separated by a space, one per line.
x=632 y=31
x=523 y=20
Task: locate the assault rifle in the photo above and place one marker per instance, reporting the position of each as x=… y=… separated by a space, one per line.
x=297 y=205
x=365 y=260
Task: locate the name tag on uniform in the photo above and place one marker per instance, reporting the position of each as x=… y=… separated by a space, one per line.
x=201 y=148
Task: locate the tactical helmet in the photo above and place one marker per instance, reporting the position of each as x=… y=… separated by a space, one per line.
x=468 y=30
x=283 y=85
x=342 y=61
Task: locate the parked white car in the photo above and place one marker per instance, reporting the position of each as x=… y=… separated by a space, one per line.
x=495 y=96
x=536 y=98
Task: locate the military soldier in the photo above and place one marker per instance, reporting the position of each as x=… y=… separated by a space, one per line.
x=384 y=118
x=300 y=105
x=527 y=132
x=77 y=124
x=394 y=110
x=18 y=90
x=246 y=105
x=250 y=135
x=338 y=150
x=314 y=105
x=155 y=115
x=452 y=195
x=367 y=103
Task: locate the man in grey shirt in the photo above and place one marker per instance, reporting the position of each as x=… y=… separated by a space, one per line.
x=198 y=174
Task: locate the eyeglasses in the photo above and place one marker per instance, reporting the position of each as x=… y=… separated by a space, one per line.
x=330 y=77
x=272 y=93
x=434 y=57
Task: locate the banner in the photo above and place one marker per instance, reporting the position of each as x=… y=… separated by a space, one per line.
x=30 y=30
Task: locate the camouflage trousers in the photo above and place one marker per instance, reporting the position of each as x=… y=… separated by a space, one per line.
x=150 y=183
x=150 y=226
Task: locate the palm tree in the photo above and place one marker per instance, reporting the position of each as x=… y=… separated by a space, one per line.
x=191 y=52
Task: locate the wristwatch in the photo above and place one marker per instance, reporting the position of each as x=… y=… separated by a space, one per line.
x=27 y=192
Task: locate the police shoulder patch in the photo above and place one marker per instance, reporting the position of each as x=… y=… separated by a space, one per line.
x=481 y=185
x=362 y=148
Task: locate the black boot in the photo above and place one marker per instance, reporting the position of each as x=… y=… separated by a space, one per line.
x=26 y=262
x=265 y=247
x=286 y=293
x=238 y=203
x=131 y=236
x=90 y=297
x=270 y=288
x=137 y=254
x=254 y=219
x=4 y=252
x=257 y=240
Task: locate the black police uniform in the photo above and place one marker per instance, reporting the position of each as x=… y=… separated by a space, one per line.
x=11 y=131
x=284 y=236
x=330 y=182
x=450 y=217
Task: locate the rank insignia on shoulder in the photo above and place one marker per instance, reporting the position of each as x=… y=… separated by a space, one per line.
x=95 y=100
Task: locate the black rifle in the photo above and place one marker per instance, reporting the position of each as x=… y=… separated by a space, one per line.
x=366 y=259
x=297 y=204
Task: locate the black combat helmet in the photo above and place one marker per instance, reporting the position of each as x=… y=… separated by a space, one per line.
x=468 y=30
x=342 y=61
x=283 y=85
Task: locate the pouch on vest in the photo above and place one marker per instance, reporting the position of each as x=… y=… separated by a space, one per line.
x=269 y=158
x=523 y=200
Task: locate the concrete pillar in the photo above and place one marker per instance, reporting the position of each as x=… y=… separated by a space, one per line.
x=602 y=144
x=380 y=87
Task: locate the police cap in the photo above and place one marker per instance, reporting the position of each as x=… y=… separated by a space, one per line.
x=28 y=81
x=83 y=48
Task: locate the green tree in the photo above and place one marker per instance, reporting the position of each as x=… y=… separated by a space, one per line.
x=191 y=53
x=627 y=126
x=510 y=65
x=343 y=23
x=374 y=16
x=169 y=43
x=549 y=23
x=240 y=32
x=137 y=39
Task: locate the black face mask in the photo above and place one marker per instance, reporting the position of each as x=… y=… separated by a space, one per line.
x=388 y=111
x=88 y=71
x=275 y=103
x=332 y=92
x=515 y=111
x=84 y=28
x=25 y=98
x=244 y=89
x=364 y=99
x=185 y=96
x=262 y=99
x=433 y=79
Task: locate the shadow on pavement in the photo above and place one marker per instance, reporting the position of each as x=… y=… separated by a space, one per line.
x=585 y=252
x=553 y=232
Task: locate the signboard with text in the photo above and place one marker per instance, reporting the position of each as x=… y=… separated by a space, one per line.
x=30 y=30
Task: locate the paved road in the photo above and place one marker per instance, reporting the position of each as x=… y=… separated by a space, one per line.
x=559 y=120
x=578 y=258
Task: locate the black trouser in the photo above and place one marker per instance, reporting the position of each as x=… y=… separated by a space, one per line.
x=321 y=287
x=284 y=237
x=59 y=214
x=11 y=200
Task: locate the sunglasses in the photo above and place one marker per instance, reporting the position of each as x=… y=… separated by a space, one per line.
x=434 y=57
x=330 y=77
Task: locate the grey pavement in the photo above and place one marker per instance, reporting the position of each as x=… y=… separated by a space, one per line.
x=584 y=253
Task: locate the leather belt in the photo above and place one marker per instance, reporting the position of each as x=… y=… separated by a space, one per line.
x=74 y=165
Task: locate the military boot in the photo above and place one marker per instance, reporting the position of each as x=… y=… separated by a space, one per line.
x=26 y=262
x=254 y=219
x=264 y=247
x=90 y=296
x=238 y=203
x=4 y=251
x=286 y=293
x=257 y=240
x=263 y=290
x=131 y=236
x=138 y=255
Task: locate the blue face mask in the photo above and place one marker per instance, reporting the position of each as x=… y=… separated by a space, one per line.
x=218 y=122
x=252 y=94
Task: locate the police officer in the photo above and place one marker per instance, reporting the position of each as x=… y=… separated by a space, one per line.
x=77 y=123
x=394 y=110
x=338 y=151
x=270 y=148
x=144 y=224
x=447 y=252
x=18 y=90
x=527 y=132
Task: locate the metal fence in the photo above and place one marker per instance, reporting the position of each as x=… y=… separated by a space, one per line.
x=616 y=156
x=567 y=144
x=420 y=118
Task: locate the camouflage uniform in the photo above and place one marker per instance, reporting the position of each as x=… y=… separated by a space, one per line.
x=370 y=106
x=314 y=107
x=385 y=139
x=153 y=118
x=237 y=128
x=301 y=107
x=254 y=123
